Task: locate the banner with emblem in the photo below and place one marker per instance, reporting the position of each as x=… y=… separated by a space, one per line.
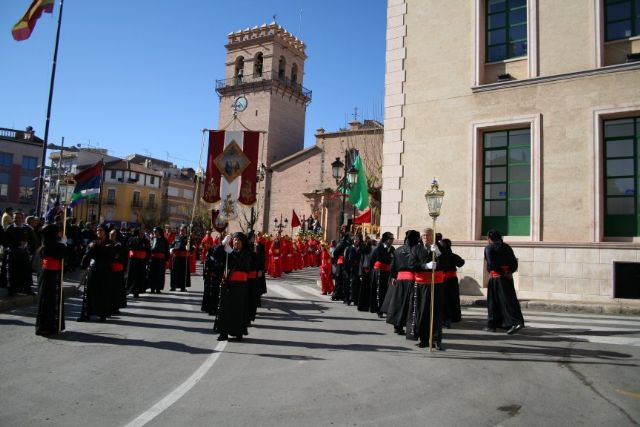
x=232 y=165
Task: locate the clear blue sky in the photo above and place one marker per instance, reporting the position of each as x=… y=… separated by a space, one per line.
x=138 y=76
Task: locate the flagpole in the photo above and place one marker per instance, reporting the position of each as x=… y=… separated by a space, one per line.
x=102 y=172
x=46 y=126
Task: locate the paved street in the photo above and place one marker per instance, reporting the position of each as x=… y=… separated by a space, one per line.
x=309 y=361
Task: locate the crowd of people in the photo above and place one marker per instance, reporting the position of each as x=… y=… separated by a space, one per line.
x=399 y=284
x=395 y=284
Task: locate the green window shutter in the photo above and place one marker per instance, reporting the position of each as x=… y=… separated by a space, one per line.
x=507 y=182
x=621 y=178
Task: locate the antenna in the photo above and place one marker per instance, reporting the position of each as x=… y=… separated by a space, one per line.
x=300 y=25
x=355 y=114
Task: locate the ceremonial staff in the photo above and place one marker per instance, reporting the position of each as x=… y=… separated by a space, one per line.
x=64 y=233
x=434 y=198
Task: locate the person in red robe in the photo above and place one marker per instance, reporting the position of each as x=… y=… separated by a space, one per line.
x=275 y=257
x=325 y=272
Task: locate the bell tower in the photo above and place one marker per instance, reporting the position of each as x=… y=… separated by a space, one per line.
x=263 y=86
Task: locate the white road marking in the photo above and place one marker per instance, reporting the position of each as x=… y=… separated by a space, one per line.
x=279 y=289
x=180 y=391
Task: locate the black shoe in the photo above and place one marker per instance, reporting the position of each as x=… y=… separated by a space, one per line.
x=515 y=328
x=438 y=346
x=158 y=291
x=136 y=295
x=398 y=331
x=422 y=344
x=103 y=319
x=239 y=338
x=173 y=289
x=489 y=329
x=223 y=337
x=183 y=290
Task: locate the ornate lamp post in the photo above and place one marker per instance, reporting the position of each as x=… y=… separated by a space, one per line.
x=280 y=224
x=344 y=182
x=434 y=198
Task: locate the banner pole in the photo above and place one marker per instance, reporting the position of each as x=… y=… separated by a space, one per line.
x=61 y=295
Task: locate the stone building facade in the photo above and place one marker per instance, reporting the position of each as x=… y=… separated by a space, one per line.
x=530 y=128
x=304 y=181
x=20 y=154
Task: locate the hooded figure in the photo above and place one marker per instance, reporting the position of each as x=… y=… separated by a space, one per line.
x=50 y=318
x=396 y=302
x=380 y=264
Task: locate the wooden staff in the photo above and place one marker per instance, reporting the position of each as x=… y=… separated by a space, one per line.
x=433 y=288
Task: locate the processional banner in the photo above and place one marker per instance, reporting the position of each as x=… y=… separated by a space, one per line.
x=231 y=170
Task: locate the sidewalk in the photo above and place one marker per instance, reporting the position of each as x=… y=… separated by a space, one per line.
x=71 y=288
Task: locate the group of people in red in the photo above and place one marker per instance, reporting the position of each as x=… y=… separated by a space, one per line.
x=286 y=254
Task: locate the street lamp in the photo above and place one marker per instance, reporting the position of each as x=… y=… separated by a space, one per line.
x=344 y=182
x=434 y=198
x=280 y=224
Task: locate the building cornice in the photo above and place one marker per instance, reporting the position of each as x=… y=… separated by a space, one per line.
x=618 y=68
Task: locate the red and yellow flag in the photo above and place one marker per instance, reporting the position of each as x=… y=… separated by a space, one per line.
x=23 y=28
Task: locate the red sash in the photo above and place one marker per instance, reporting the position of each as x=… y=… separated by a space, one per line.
x=157 y=255
x=238 y=276
x=117 y=266
x=340 y=260
x=505 y=269
x=405 y=275
x=381 y=266
x=51 y=264
x=424 y=277
x=137 y=254
x=450 y=275
x=180 y=253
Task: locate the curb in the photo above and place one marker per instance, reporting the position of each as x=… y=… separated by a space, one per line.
x=7 y=303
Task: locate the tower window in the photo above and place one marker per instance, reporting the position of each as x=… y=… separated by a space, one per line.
x=294 y=73
x=239 y=73
x=281 y=67
x=257 y=65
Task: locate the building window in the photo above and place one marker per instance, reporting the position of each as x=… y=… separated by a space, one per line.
x=622 y=19
x=153 y=180
x=172 y=192
x=282 y=63
x=294 y=73
x=29 y=163
x=152 y=201
x=239 y=70
x=6 y=159
x=113 y=174
x=136 y=199
x=111 y=196
x=506 y=25
x=507 y=182
x=4 y=184
x=621 y=150
x=26 y=188
x=257 y=65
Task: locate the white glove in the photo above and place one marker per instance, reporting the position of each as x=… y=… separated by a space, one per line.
x=226 y=240
x=171 y=250
x=228 y=249
x=434 y=248
x=431 y=265
x=63 y=240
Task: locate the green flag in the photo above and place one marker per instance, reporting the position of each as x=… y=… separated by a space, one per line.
x=359 y=193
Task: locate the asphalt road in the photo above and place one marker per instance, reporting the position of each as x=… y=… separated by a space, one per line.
x=309 y=361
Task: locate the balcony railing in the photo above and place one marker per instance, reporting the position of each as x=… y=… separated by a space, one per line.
x=269 y=77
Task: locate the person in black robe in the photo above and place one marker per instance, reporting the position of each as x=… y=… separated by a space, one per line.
x=50 y=317
x=117 y=288
x=449 y=262
x=261 y=281
x=157 y=262
x=364 y=300
x=380 y=261
x=139 y=249
x=97 y=260
x=352 y=259
x=426 y=274
x=232 y=312
x=212 y=275
x=18 y=237
x=180 y=275
x=340 y=275
x=396 y=302
x=503 y=307
x=253 y=295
